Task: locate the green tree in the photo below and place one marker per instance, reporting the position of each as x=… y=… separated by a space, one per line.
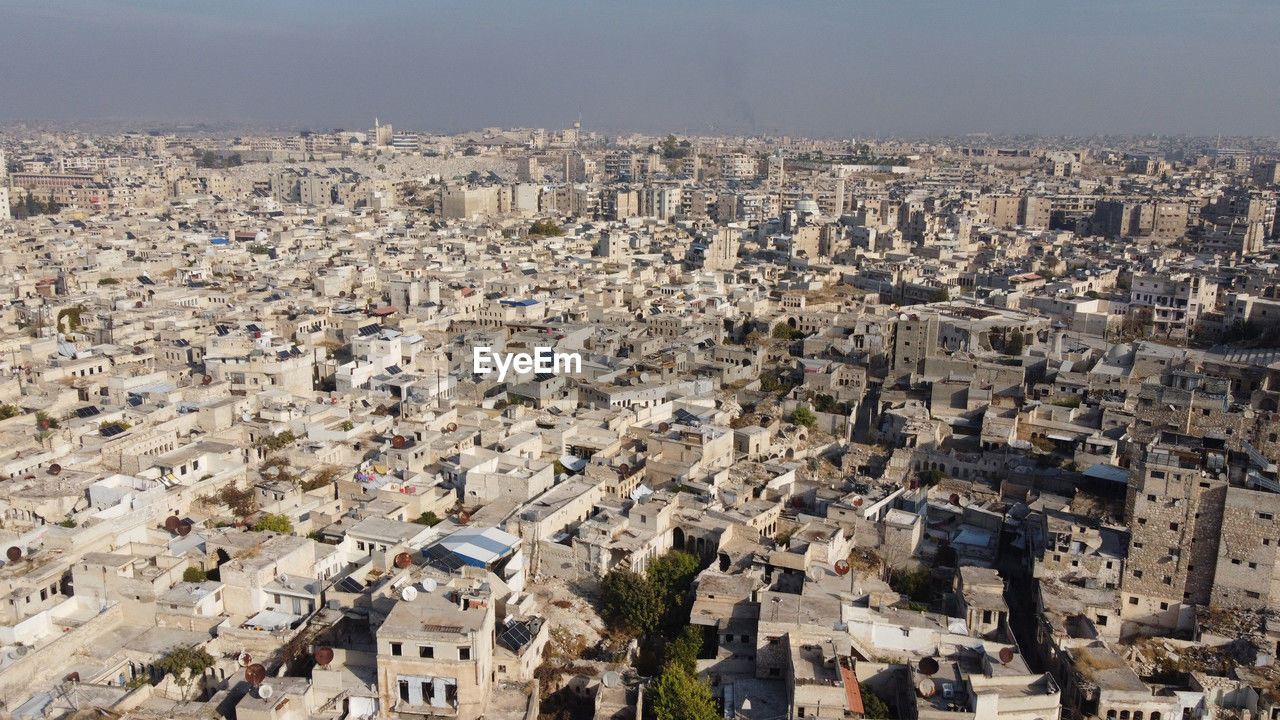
x=1013 y=346
x=671 y=575
x=872 y=705
x=628 y=601
x=912 y=583
x=108 y=281
x=8 y=411
x=274 y=523
x=428 y=518
x=42 y=417
x=680 y=695
x=185 y=664
x=545 y=228
x=804 y=417
x=783 y=331
x=683 y=651
x=194 y=574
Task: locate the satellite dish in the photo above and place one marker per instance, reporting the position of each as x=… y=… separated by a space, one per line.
x=954 y=499
x=625 y=469
x=171 y=523
x=404 y=560
x=409 y=594
x=206 y=379
x=324 y=655
x=451 y=427
x=464 y=517
x=928 y=666
x=1006 y=655
x=54 y=469
x=45 y=424
x=184 y=528
x=927 y=688
x=138 y=304
x=842 y=567
x=266 y=691
x=611 y=679
x=246 y=417
x=255 y=674
x=244 y=659
x=72 y=677
x=14 y=553
x=429 y=585
x=857 y=501
x=664 y=426
x=644 y=377
x=398 y=442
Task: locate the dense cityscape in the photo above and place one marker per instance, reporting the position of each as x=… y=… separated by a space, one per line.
x=559 y=424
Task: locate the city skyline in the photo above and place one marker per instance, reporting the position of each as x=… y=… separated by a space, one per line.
x=716 y=67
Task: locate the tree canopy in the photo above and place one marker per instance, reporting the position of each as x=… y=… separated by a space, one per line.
x=803 y=417
x=679 y=695
x=630 y=602
x=274 y=523
x=185 y=664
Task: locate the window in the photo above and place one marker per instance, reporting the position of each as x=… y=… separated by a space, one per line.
x=395 y=648
x=1164 y=606
x=426 y=651
x=1265 y=516
x=1251 y=594
x=464 y=653
x=404 y=690
x=1101 y=619
x=1133 y=601
x=1173 y=526
x=1137 y=574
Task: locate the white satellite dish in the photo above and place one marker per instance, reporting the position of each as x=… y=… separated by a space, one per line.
x=246 y=417
x=409 y=594
x=611 y=679
x=266 y=691
x=429 y=585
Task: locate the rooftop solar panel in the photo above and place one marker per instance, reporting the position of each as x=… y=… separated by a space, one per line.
x=88 y=411
x=351 y=585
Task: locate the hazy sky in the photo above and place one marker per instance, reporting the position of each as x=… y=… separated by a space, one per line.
x=842 y=68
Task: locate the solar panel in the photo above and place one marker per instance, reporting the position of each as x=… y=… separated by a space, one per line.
x=370 y=330
x=444 y=558
x=222 y=329
x=282 y=354
x=394 y=370
x=351 y=585
x=253 y=328
x=134 y=401
x=516 y=637
x=112 y=430
x=89 y=411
